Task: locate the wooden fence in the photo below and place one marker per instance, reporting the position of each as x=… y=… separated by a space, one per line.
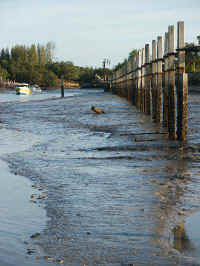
x=157 y=83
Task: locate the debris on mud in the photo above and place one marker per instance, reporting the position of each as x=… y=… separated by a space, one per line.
x=31 y=251
x=97 y=110
x=35 y=235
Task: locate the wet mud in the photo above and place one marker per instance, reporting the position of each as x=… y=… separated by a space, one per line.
x=115 y=190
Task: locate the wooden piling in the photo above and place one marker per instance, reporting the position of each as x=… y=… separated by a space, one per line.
x=153 y=89
x=165 y=94
x=171 y=86
x=142 y=106
x=125 y=85
x=159 y=80
x=147 y=80
x=134 y=69
x=138 y=79
x=182 y=86
x=141 y=82
x=128 y=81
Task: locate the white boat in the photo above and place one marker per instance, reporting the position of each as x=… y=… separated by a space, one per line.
x=36 y=88
x=23 y=89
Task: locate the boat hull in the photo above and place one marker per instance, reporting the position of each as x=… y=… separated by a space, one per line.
x=23 y=91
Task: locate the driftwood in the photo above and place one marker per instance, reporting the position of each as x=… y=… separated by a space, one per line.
x=97 y=110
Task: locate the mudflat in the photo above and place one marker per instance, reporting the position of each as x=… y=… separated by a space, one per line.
x=114 y=189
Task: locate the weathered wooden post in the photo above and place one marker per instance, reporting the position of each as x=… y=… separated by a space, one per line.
x=138 y=78
x=62 y=88
x=182 y=86
x=119 y=82
x=126 y=79
x=153 y=89
x=165 y=97
x=129 y=94
x=116 y=82
x=135 y=80
x=134 y=69
x=147 y=80
x=133 y=90
x=171 y=85
x=123 y=79
x=159 y=80
x=142 y=106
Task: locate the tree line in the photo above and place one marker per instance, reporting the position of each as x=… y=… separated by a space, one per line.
x=35 y=64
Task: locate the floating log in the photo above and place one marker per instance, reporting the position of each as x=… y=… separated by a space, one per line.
x=97 y=110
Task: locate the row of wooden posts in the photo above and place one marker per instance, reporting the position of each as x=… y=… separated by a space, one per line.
x=157 y=83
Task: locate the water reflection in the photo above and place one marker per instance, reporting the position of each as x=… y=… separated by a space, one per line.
x=174 y=190
x=170 y=184
x=181 y=241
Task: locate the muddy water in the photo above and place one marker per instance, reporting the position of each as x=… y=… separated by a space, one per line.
x=115 y=190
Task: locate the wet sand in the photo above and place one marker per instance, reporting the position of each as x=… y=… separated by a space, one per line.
x=113 y=194
x=19 y=218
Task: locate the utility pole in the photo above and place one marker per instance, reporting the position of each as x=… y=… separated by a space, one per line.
x=62 y=87
x=105 y=62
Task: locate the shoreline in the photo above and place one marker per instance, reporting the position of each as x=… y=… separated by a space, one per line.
x=20 y=218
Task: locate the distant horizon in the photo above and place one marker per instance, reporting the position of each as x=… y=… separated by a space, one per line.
x=86 y=33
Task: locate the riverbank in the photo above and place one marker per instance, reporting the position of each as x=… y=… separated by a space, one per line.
x=113 y=193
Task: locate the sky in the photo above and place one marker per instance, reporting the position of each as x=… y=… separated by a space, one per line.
x=88 y=31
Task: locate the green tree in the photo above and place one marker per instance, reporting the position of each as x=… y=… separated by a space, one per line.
x=49 y=52
x=3 y=73
x=48 y=79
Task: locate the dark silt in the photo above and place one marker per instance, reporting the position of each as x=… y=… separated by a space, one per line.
x=114 y=189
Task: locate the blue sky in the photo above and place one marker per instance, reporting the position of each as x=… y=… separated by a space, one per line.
x=87 y=31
